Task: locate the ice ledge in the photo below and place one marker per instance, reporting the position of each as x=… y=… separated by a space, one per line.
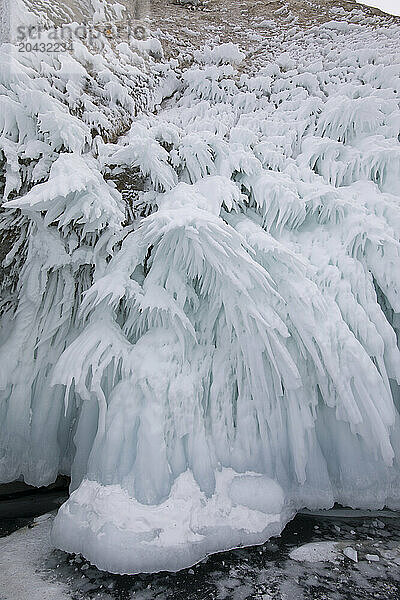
x=119 y=534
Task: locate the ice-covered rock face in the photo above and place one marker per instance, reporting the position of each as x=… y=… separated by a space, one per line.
x=200 y=319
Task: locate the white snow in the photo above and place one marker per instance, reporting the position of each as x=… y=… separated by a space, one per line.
x=22 y=575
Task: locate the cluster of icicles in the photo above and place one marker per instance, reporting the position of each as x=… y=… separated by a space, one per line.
x=227 y=352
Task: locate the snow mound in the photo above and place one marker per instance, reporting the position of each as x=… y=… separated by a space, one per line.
x=121 y=534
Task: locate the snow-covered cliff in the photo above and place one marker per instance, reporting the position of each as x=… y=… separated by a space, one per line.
x=200 y=288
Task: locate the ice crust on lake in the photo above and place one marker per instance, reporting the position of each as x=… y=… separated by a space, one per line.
x=23 y=555
x=200 y=317
x=316 y=552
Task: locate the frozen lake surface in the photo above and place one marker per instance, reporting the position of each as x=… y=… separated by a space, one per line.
x=313 y=559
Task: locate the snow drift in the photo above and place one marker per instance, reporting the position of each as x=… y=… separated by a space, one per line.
x=200 y=318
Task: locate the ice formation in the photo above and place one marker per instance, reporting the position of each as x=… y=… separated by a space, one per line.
x=199 y=318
